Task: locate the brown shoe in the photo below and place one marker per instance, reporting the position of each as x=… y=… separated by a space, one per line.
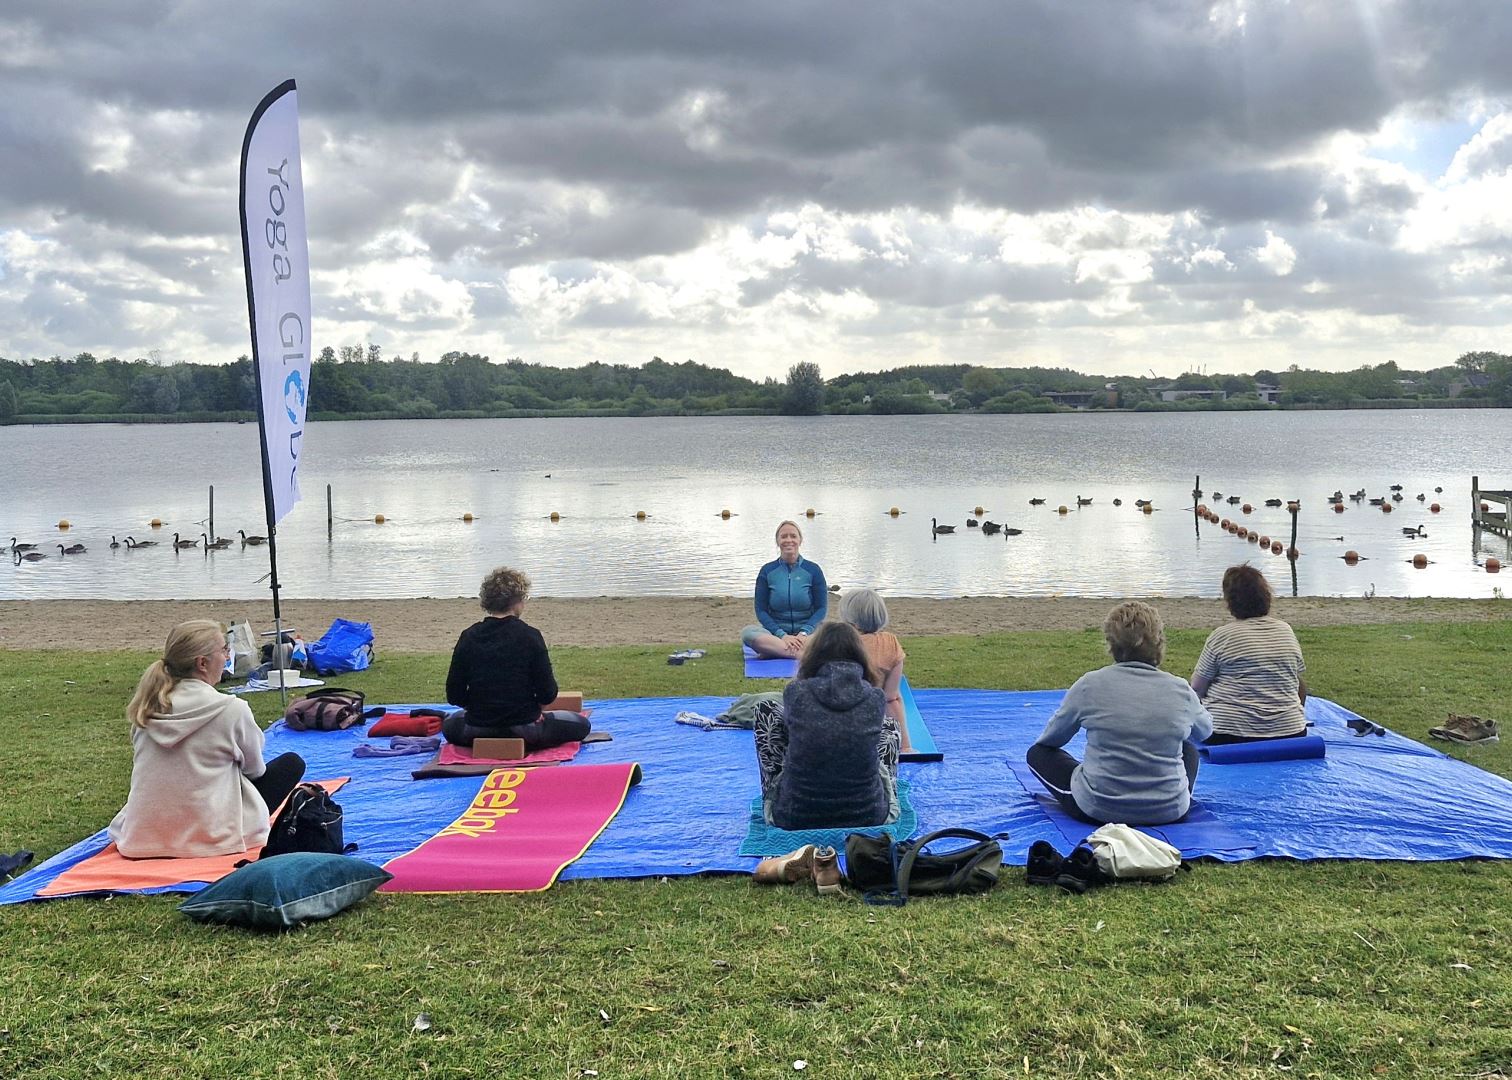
x=786 y=869
x=1471 y=730
x=827 y=871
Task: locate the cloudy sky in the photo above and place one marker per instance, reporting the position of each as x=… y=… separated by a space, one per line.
x=1109 y=185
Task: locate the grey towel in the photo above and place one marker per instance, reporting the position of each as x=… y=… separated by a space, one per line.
x=400 y=746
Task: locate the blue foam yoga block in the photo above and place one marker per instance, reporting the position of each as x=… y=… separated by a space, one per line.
x=1300 y=748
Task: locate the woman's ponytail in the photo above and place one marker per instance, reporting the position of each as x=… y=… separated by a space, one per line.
x=151 y=697
x=187 y=642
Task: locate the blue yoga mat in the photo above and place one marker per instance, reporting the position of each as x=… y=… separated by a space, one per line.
x=763 y=838
x=919 y=737
x=1199 y=833
x=1301 y=748
x=758 y=668
x=1374 y=798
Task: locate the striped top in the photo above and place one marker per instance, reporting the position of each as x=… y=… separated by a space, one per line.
x=1256 y=670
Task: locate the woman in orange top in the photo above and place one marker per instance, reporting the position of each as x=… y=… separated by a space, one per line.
x=865 y=610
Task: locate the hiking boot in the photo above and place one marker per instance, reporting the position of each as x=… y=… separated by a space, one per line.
x=826 y=869
x=1045 y=864
x=1079 y=871
x=786 y=869
x=1466 y=729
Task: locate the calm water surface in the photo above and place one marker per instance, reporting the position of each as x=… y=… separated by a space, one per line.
x=597 y=473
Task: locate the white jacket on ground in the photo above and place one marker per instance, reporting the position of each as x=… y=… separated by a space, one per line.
x=191 y=791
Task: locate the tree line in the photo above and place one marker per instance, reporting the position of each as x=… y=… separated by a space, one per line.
x=356 y=382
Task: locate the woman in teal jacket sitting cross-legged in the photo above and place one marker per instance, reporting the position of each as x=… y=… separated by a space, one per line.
x=792 y=599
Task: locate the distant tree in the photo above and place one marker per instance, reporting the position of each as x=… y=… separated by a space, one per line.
x=327 y=356
x=351 y=354
x=374 y=353
x=165 y=398
x=10 y=404
x=805 y=390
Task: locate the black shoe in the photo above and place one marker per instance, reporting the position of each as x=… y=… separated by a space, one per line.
x=1079 y=871
x=1044 y=864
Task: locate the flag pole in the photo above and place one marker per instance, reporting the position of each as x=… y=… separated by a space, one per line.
x=258 y=364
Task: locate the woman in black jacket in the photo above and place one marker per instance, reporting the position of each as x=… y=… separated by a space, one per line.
x=829 y=756
x=501 y=677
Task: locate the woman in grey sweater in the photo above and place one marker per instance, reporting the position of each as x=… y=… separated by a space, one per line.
x=829 y=756
x=1141 y=724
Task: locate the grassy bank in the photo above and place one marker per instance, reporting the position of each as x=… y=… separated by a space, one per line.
x=1337 y=969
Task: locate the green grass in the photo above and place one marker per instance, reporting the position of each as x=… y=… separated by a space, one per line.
x=1256 y=969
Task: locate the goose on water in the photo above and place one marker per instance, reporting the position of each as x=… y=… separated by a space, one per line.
x=991 y=528
x=1083 y=502
x=1272 y=502
x=245 y=539
x=133 y=542
x=220 y=543
x=181 y=544
x=114 y=542
x=72 y=549
x=1036 y=502
x=1414 y=532
x=21 y=547
x=1013 y=532
x=971 y=523
x=935 y=527
x=29 y=556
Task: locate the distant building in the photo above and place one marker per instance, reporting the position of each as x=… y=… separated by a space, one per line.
x=1106 y=398
x=1267 y=393
x=1473 y=380
x=943 y=399
x=1182 y=395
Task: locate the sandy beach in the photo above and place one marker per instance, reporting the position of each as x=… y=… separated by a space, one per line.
x=432 y=625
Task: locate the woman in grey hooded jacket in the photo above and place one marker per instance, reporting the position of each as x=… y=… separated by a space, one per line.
x=829 y=756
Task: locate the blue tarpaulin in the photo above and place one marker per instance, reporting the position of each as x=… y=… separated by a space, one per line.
x=1370 y=798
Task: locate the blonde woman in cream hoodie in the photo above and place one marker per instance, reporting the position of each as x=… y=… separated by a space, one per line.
x=198 y=782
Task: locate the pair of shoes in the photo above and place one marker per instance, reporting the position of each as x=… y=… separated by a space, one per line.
x=1466 y=729
x=678 y=658
x=786 y=869
x=809 y=863
x=1044 y=864
x=1079 y=871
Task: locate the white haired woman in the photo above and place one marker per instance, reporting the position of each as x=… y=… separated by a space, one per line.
x=199 y=786
x=1141 y=724
x=867 y=612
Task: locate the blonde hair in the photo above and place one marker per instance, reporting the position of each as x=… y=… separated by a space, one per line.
x=502 y=589
x=187 y=642
x=1135 y=633
x=796 y=529
x=865 y=610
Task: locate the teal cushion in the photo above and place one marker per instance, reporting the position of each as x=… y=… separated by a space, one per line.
x=285 y=890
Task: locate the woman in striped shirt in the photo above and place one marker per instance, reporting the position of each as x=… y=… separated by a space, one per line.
x=1249 y=675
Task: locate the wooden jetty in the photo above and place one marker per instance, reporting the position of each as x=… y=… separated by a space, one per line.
x=1497 y=515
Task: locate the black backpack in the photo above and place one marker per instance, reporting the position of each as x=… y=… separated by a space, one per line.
x=891 y=872
x=309 y=821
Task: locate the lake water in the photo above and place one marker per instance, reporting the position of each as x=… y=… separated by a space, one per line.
x=597 y=473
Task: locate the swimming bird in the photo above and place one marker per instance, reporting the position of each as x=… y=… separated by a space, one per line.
x=938 y=529
x=72 y=549
x=1117 y=502
x=1013 y=532
x=1083 y=502
x=114 y=542
x=1234 y=500
x=1141 y=503
x=1359 y=496
x=971 y=523
x=1397 y=497
x=1272 y=502
x=1217 y=495
x=1377 y=502
x=1438 y=491
x=29 y=556
x=218 y=544
x=1396 y=487
x=181 y=544
x=1422 y=497
x=1414 y=532
x=245 y=539
x=133 y=542
x=22 y=547
x=991 y=528
x=1036 y=502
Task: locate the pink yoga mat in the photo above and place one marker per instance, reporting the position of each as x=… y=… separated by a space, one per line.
x=523 y=828
x=463 y=755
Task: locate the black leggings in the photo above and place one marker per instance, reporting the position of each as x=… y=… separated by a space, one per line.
x=280 y=777
x=553 y=729
x=1053 y=767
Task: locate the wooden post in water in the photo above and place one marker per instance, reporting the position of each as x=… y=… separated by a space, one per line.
x=1294 y=518
x=328 y=513
x=212 y=512
x=1475 y=513
x=1197 y=504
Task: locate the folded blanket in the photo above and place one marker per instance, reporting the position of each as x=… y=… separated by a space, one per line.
x=400 y=746
x=405 y=724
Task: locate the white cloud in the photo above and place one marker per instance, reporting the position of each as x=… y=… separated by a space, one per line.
x=1277 y=255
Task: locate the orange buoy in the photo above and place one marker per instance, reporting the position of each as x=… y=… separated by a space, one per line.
x=1485 y=508
x=1351 y=557
x=1265 y=541
x=978 y=511
x=1493 y=565
x=1293 y=554
x=467 y=516
x=1148 y=508
x=893 y=511
x=640 y=515
x=1385 y=508
x=810 y=512
x=1338 y=508
x=1420 y=561
x=1435 y=508
x=1062 y=509
x=1254 y=537
x=156 y=523
x=1224 y=524
x=65 y=524
x=1275 y=547
x=1247 y=508
x=554 y=516
x=725 y=514
x=379 y=519
x=1241 y=532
